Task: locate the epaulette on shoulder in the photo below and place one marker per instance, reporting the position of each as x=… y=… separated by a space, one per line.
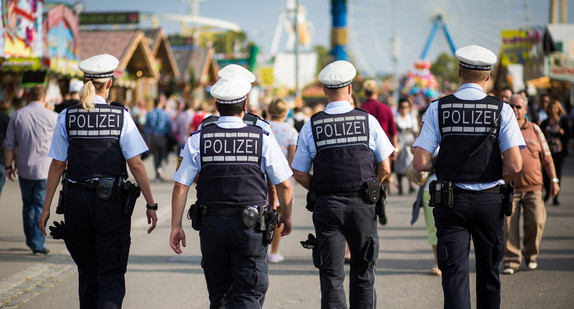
x=209 y=120
x=251 y=119
x=118 y=104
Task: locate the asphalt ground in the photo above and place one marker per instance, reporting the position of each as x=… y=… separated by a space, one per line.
x=157 y=278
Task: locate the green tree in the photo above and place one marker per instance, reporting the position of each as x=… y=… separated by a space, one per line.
x=445 y=68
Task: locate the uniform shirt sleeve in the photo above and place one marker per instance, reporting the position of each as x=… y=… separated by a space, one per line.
x=190 y=164
x=378 y=141
x=305 y=149
x=273 y=162
x=131 y=141
x=429 y=137
x=59 y=146
x=510 y=135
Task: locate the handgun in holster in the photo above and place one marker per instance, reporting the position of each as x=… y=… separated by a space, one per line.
x=61 y=206
x=508 y=196
x=381 y=204
x=130 y=193
x=311 y=199
x=195 y=214
x=271 y=218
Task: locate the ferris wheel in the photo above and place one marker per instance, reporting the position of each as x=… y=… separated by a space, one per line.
x=388 y=36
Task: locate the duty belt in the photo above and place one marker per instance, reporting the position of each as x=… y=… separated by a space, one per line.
x=224 y=211
x=493 y=190
x=86 y=185
x=358 y=193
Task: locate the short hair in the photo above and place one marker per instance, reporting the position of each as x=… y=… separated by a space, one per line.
x=405 y=99
x=278 y=108
x=514 y=96
x=473 y=75
x=37 y=92
x=370 y=87
x=230 y=109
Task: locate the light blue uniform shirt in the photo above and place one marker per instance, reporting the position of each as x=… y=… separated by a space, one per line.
x=306 y=150
x=273 y=162
x=509 y=135
x=131 y=141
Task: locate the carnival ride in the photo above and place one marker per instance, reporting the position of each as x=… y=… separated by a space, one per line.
x=385 y=36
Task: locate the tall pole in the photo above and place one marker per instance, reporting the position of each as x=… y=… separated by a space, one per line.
x=339 y=32
x=298 y=99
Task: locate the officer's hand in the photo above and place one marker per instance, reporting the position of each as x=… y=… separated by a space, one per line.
x=44 y=216
x=287 y=225
x=151 y=219
x=177 y=236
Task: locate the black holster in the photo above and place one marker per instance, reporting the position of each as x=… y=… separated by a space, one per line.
x=195 y=213
x=61 y=205
x=271 y=217
x=130 y=193
x=508 y=196
x=381 y=203
x=311 y=199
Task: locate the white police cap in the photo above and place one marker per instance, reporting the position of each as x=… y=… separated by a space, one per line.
x=475 y=57
x=76 y=86
x=337 y=74
x=99 y=66
x=230 y=90
x=233 y=70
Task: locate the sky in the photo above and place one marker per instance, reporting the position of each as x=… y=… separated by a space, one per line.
x=372 y=23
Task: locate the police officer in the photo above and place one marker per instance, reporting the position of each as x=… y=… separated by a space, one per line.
x=473 y=130
x=231 y=161
x=96 y=140
x=347 y=148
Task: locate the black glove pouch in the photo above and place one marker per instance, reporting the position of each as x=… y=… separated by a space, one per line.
x=372 y=191
x=105 y=188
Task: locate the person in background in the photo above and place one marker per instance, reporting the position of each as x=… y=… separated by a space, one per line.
x=505 y=94
x=156 y=130
x=407 y=127
x=139 y=113
x=73 y=96
x=4 y=120
x=541 y=113
x=528 y=196
x=181 y=124
x=26 y=144
x=286 y=136
x=557 y=132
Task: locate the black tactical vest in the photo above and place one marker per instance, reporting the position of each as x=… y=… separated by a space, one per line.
x=469 y=151
x=94 y=142
x=231 y=167
x=344 y=160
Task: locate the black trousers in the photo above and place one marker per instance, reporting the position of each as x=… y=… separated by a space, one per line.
x=98 y=238
x=478 y=216
x=234 y=263
x=339 y=220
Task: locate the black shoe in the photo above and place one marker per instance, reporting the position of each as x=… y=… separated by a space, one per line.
x=556 y=202
x=41 y=252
